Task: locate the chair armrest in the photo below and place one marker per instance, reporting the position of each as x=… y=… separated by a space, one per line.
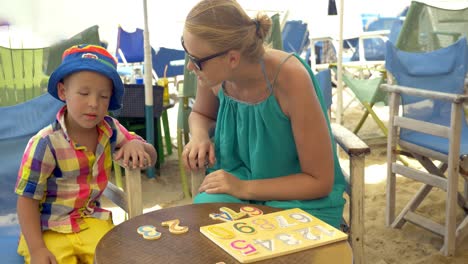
x=348 y=141
x=357 y=150
x=131 y=199
x=455 y=98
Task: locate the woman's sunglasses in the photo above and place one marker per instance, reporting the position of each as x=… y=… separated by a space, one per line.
x=198 y=62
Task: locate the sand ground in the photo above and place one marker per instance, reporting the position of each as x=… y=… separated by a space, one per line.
x=410 y=244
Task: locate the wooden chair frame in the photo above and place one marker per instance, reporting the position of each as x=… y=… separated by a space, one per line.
x=130 y=198
x=452 y=165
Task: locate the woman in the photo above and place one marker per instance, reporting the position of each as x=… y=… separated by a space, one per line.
x=272 y=144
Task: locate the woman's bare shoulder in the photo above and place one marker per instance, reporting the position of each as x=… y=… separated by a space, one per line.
x=289 y=72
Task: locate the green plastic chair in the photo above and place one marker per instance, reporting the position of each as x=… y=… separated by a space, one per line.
x=88 y=36
x=275 y=38
x=186 y=92
x=22 y=74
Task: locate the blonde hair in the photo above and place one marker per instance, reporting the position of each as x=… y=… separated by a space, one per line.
x=225 y=26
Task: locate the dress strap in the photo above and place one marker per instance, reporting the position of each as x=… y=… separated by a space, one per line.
x=262 y=64
x=279 y=67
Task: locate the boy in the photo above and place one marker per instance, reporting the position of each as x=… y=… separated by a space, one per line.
x=66 y=165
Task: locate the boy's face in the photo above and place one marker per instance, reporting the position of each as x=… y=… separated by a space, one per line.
x=87 y=95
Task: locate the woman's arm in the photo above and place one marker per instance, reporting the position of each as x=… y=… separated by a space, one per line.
x=202 y=121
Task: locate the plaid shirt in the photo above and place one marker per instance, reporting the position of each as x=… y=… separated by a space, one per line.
x=66 y=179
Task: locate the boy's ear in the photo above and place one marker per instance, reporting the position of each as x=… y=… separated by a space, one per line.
x=61 y=90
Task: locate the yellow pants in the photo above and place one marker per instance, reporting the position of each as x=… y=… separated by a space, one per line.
x=73 y=247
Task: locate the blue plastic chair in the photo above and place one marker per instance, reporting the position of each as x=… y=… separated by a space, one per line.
x=324 y=79
x=173 y=58
x=19 y=123
x=432 y=127
x=295 y=36
x=131 y=45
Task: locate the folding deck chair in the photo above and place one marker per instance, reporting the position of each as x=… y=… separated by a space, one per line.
x=432 y=127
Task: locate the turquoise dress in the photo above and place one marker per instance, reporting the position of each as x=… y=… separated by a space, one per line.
x=255 y=141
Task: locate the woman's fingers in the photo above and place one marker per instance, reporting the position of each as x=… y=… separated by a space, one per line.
x=212 y=157
x=198 y=158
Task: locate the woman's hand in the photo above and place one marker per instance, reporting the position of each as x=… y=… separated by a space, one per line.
x=221 y=181
x=198 y=154
x=134 y=151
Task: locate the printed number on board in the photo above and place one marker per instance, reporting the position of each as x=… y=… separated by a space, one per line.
x=221 y=232
x=244 y=247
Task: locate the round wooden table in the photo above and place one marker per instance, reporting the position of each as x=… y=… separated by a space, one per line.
x=124 y=245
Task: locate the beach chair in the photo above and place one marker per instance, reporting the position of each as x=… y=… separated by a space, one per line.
x=355 y=149
x=295 y=36
x=19 y=123
x=432 y=129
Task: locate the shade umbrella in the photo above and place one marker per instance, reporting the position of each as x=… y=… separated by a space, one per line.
x=149 y=117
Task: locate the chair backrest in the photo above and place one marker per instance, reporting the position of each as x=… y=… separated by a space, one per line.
x=189 y=88
x=442 y=70
x=88 y=36
x=374 y=48
x=295 y=36
x=19 y=123
x=275 y=38
x=130 y=45
x=428 y=28
x=173 y=58
x=324 y=79
x=22 y=74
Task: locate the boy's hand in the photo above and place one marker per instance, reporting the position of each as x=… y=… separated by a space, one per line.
x=134 y=151
x=42 y=256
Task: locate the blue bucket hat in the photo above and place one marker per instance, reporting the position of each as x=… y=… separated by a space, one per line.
x=89 y=58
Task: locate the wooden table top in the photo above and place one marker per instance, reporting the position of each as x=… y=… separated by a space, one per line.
x=124 y=245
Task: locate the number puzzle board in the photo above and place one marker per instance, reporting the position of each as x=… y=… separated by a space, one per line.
x=271 y=235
